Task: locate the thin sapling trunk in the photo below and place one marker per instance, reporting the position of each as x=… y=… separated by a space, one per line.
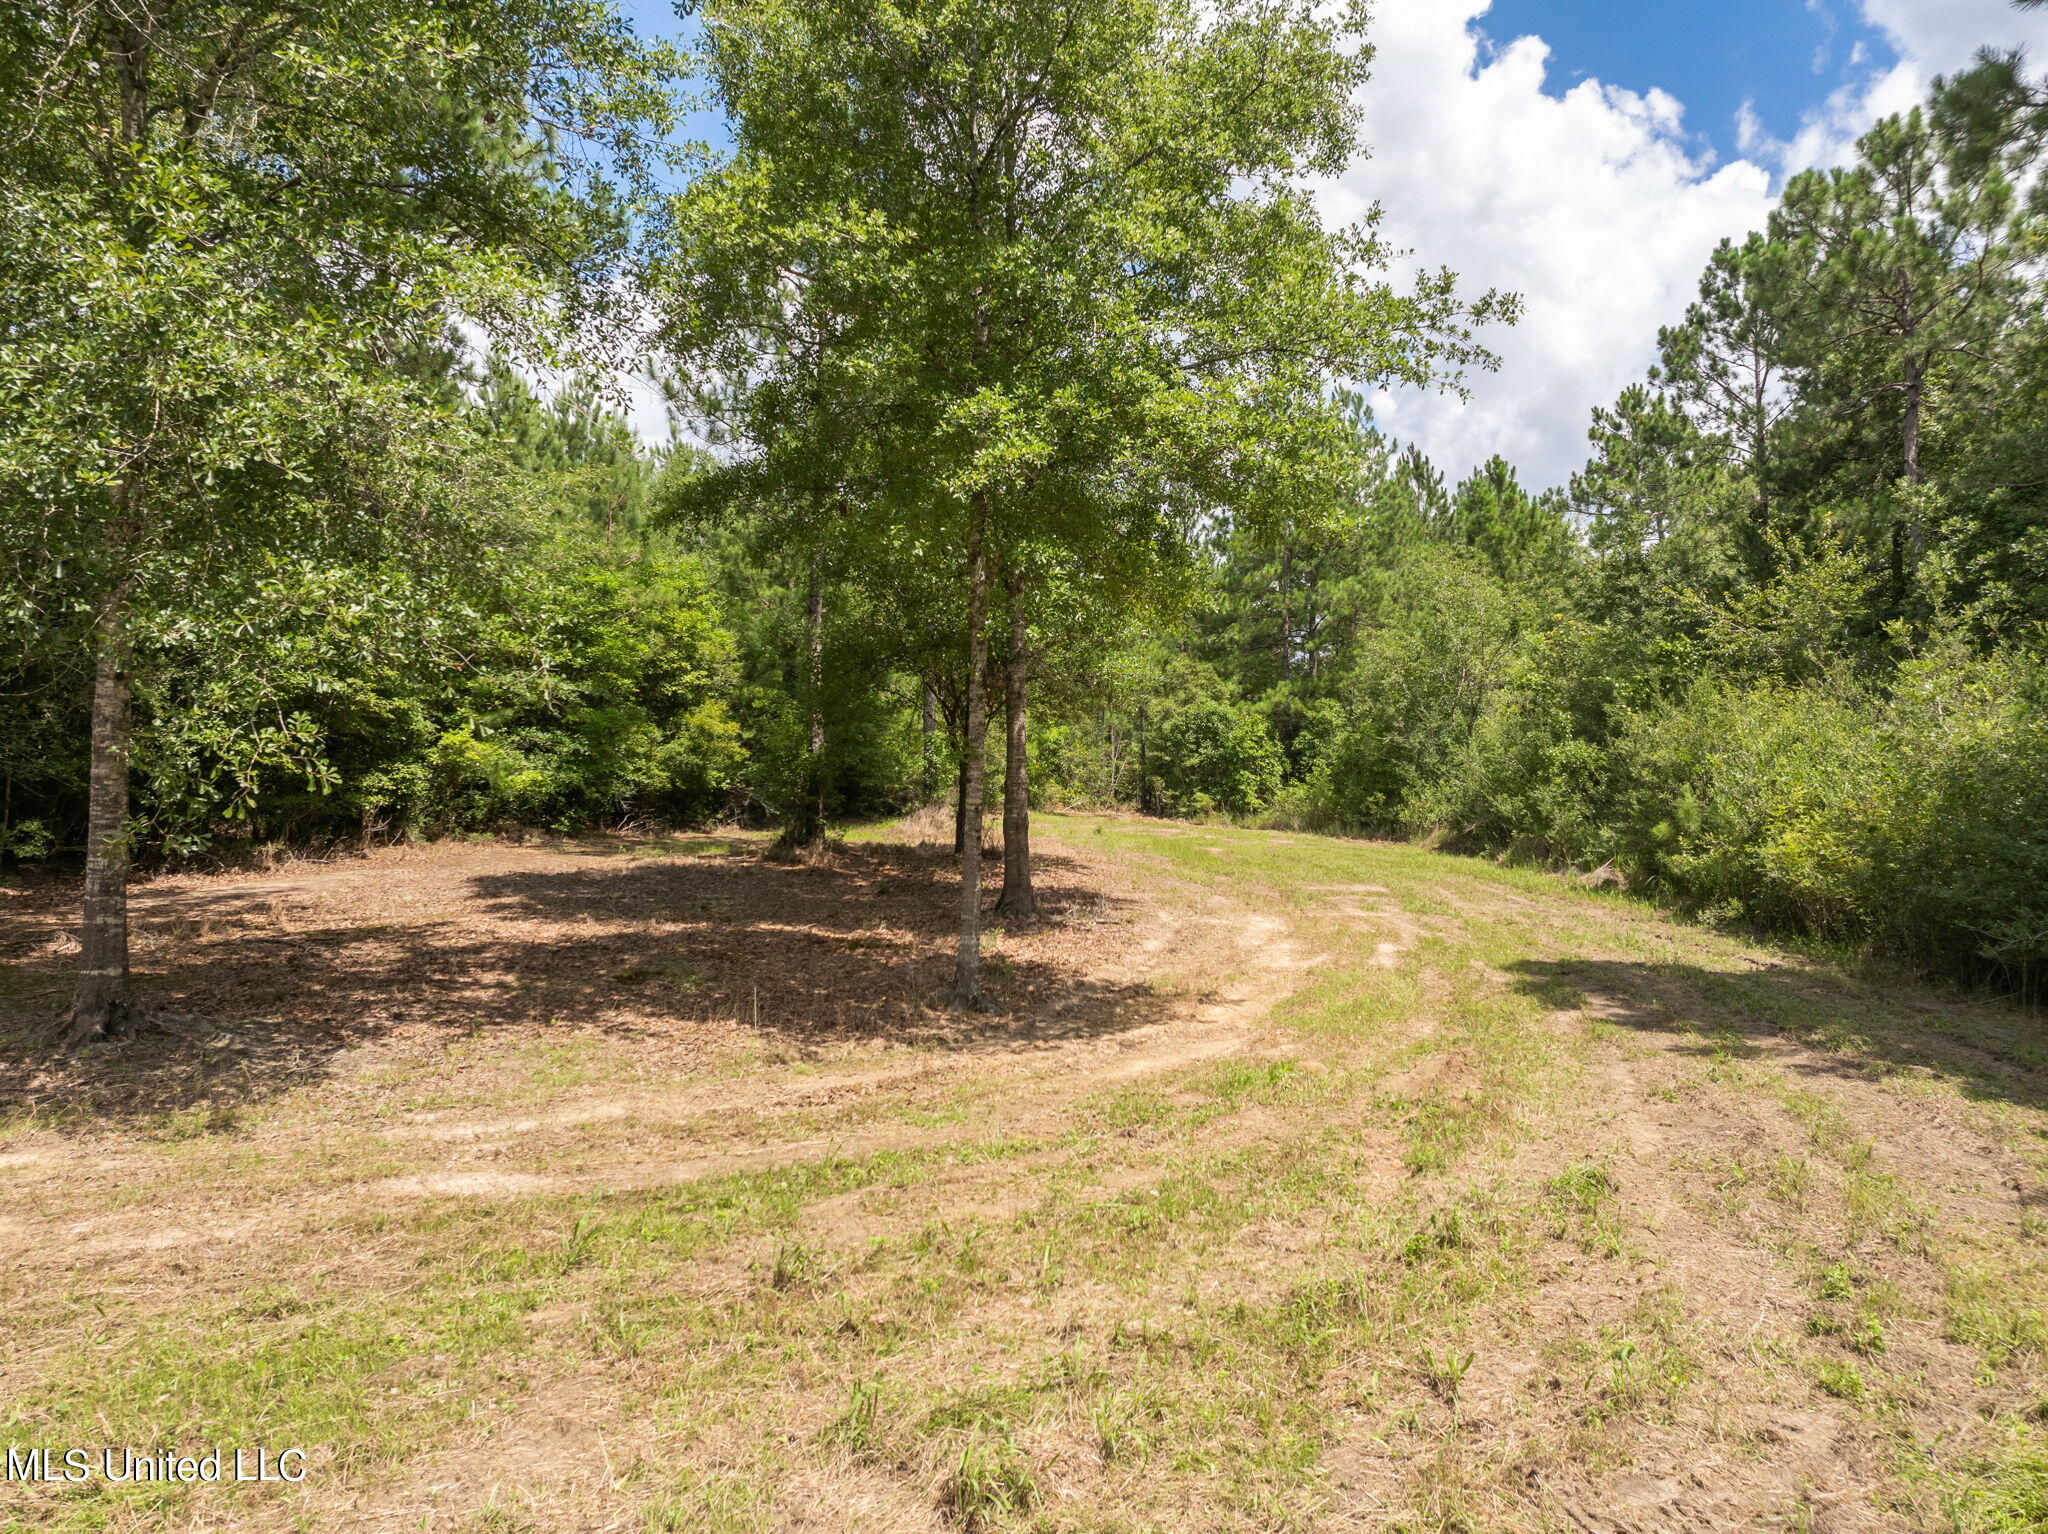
x=1017 y=902
x=967 y=963
x=806 y=830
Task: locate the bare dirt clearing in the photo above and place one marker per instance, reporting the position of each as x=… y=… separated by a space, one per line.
x=1292 y=1184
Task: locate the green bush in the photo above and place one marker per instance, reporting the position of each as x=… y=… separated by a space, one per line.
x=1912 y=817
x=1538 y=772
x=1418 y=681
x=1208 y=752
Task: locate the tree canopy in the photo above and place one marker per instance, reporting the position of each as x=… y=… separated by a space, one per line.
x=1014 y=375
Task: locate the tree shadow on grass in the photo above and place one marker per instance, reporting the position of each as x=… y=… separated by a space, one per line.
x=676 y=954
x=1853 y=1028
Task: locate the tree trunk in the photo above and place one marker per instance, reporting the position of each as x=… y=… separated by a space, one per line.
x=930 y=784
x=103 y=1005
x=1760 y=448
x=1916 y=389
x=806 y=832
x=960 y=805
x=1144 y=768
x=1910 y=446
x=1017 y=902
x=1286 y=609
x=967 y=963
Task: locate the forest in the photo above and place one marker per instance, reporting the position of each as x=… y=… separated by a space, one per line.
x=1020 y=455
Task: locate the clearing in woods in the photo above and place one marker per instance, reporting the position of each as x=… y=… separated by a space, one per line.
x=1292 y=1184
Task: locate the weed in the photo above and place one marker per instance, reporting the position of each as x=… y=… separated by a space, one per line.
x=1444 y=1231
x=616 y=1331
x=1580 y=1189
x=1859 y=1330
x=1582 y=1199
x=856 y=1429
x=1840 y=1380
x=1119 y=1423
x=1445 y=1372
x=196 y=1123
x=795 y=1266
x=1837 y=1282
x=991 y=1409
x=1069 y=1371
x=991 y=1480
x=1997 y=1312
x=575 y=1250
x=1790 y=1179
x=709 y=1504
x=503 y=1520
x=1262 y=1081
x=1137 y=1108
x=973 y=1246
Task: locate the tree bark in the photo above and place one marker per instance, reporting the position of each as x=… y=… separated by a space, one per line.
x=967 y=962
x=960 y=805
x=1286 y=609
x=1017 y=902
x=1760 y=444
x=930 y=765
x=103 y=1004
x=806 y=831
x=1910 y=427
x=1916 y=393
x=1144 y=768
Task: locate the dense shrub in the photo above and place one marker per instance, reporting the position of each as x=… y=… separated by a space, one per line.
x=1208 y=752
x=1911 y=817
x=1416 y=683
x=1537 y=771
x=1915 y=818
x=1767 y=765
x=574 y=687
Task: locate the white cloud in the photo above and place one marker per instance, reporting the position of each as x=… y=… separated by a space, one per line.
x=1938 y=36
x=1594 y=206
x=1931 y=38
x=1750 y=134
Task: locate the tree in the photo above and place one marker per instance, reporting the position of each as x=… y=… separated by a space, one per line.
x=1904 y=267
x=1518 y=534
x=1726 y=365
x=1650 y=483
x=575 y=439
x=232 y=224
x=1089 y=297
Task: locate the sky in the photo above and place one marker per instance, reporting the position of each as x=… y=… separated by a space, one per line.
x=1588 y=155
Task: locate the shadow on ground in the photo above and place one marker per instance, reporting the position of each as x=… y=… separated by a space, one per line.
x=675 y=952
x=1994 y=1051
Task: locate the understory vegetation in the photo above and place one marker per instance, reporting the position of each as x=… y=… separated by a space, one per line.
x=1775 y=653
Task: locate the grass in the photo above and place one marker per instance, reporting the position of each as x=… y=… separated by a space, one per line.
x=1392 y=1259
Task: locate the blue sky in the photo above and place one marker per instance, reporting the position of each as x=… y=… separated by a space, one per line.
x=1780 y=58
x=1588 y=155
x=1777 y=58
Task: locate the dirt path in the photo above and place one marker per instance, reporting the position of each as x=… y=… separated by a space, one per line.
x=1293 y=1183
